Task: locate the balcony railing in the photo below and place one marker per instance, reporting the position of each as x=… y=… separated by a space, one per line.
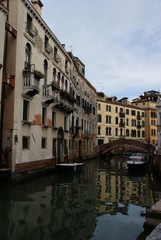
x=122 y=114
x=64 y=105
x=86 y=134
x=121 y=124
x=138 y=126
x=68 y=96
x=49 y=95
x=31 y=84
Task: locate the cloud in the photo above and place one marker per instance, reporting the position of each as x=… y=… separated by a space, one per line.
x=118 y=41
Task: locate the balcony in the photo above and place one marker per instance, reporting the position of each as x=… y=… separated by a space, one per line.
x=138 y=126
x=64 y=106
x=49 y=96
x=55 y=85
x=121 y=124
x=30 y=84
x=74 y=131
x=64 y=94
x=8 y=79
x=138 y=117
x=32 y=30
x=122 y=114
x=88 y=109
x=86 y=134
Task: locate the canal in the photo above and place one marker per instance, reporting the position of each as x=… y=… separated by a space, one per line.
x=103 y=201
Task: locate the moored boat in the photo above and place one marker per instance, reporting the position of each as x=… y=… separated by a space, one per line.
x=137 y=160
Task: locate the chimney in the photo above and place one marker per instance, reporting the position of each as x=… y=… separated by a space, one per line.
x=37 y=5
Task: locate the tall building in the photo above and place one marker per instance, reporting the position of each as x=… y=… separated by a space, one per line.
x=159 y=124
x=148 y=101
x=41 y=123
x=118 y=119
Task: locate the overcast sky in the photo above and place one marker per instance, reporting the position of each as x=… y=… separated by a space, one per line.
x=119 y=41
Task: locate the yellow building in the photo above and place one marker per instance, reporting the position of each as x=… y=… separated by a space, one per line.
x=148 y=101
x=119 y=119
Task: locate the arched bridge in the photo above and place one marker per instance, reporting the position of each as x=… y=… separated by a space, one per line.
x=123 y=143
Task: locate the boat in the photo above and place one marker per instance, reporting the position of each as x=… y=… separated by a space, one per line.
x=137 y=160
x=70 y=166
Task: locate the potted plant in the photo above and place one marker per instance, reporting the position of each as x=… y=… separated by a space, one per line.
x=38 y=75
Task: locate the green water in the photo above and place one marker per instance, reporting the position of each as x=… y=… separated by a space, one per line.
x=103 y=201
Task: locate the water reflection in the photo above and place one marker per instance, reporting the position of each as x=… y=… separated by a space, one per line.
x=104 y=201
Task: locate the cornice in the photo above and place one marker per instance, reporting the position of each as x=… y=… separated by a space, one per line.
x=46 y=28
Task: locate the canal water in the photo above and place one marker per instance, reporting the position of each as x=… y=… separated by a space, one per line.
x=103 y=201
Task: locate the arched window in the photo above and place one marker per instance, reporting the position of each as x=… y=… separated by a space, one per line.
x=58 y=79
x=66 y=85
x=116 y=131
x=99 y=118
x=54 y=74
x=121 y=132
x=62 y=83
x=27 y=56
x=45 y=71
x=127 y=132
x=143 y=134
x=138 y=133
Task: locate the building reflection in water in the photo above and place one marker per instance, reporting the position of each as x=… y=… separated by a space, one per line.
x=117 y=187
x=67 y=206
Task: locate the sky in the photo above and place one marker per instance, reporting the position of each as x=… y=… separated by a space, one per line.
x=119 y=41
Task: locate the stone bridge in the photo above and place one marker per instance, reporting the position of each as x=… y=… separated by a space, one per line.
x=123 y=143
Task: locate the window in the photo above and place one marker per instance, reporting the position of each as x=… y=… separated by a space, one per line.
x=54 y=74
x=138 y=133
x=45 y=71
x=99 y=106
x=108 y=108
x=116 y=109
x=143 y=134
x=116 y=131
x=44 y=115
x=46 y=40
x=133 y=112
x=116 y=120
x=53 y=119
x=82 y=124
x=29 y=22
x=143 y=114
x=25 y=142
x=108 y=119
x=108 y=131
x=133 y=122
x=25 y=110
x=127 y=122
x=127 y=111
x=43 y=143
x=127 y=132
x=99 y=130
x=94 y=110
x=55 y=52
x=99 y=118
x=27 y=56
x=143 y=124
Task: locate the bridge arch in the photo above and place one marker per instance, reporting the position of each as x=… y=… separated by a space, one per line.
x=122 y=143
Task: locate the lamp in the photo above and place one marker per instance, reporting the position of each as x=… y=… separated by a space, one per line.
x=1 y=66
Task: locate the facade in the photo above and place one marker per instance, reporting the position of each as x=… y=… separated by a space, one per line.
x=3 y=17
x=41 y=111
x=159 y=124
x=148 y=101
x=118 y=119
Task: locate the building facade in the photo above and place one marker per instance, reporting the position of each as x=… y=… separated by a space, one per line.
x=158 y=150
x=148 y=101
x=118 y=119
x=41 y=110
